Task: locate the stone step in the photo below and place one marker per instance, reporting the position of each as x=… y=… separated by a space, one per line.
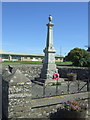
x=38 y=82
x=42 y=82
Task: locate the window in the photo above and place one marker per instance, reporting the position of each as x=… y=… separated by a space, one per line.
x=56 y=58
x=31 y=57
x=36 y=57
x=25 y=57
x=5 y=56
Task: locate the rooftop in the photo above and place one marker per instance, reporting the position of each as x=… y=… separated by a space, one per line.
x=25 y=54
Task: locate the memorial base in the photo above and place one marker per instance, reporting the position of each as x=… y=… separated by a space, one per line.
x=45 y=82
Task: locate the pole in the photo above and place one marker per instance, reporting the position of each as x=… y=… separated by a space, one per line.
x=88 y=85
x=43 y=90
x=56 y=86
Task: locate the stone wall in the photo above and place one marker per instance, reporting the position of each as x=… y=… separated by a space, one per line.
x=82 y=72
x=19 y=99
x=17 y=89
x=33 y=71
x=16 y=94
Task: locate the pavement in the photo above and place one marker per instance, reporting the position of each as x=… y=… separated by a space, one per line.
x=49 y=101
x=57 y=99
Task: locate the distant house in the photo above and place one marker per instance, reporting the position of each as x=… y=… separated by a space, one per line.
x=10 y=56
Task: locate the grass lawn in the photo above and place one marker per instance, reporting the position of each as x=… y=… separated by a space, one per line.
x=22 y=62
x=37 y=62
x=64 y=63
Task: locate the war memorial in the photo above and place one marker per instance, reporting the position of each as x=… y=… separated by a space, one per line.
x=39 y=90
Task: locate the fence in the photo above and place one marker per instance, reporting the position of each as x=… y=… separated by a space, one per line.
x=59 y=88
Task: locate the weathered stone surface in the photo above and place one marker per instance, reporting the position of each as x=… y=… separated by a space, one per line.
x=49 y=66
x=18 y=104
x=16 y=94
x=82 y=72
x=34 y=70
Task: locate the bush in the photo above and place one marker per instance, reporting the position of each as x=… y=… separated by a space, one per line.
x=79 y=57
x=85 y=61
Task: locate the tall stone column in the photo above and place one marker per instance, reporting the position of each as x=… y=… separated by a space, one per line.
x=49 y=66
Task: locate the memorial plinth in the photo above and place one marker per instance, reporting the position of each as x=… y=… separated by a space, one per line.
x=49 y=66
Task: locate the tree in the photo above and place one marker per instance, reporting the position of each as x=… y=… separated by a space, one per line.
x=85 y=61
x=79 y=57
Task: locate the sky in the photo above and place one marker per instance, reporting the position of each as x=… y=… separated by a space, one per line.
x=24 y=27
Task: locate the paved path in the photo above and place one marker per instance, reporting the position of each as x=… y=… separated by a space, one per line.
x=49 y=101
x=57 y=99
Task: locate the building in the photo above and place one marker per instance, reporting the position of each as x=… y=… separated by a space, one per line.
x=10 y=56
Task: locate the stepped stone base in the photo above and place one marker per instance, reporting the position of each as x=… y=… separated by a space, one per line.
x=45 y=82
x=48 y=81
x=48 y=70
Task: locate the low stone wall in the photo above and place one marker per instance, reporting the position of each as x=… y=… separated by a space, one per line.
x=19 y=99
x=42 y=112
x=16 y=94
x=33 y=71
x=82 y=72
x=16 y=99
x=17 y=89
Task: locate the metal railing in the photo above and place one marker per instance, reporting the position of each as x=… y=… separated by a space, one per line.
x=66 y=87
